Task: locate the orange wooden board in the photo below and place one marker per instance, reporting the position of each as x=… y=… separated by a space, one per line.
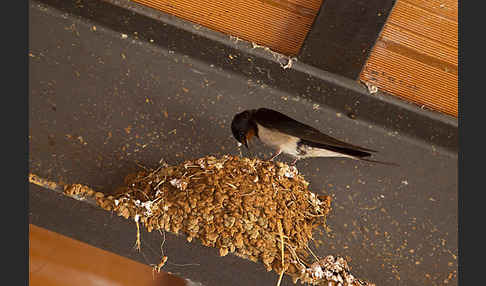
x=416 y=55
x=56 y=260
x=280 y=25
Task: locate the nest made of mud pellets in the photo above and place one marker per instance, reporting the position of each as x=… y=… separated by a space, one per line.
x=240 y=205
x=231 y=203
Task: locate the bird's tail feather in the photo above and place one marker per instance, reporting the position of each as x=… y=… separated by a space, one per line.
x=379 y=162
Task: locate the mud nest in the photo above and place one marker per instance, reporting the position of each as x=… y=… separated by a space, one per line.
x=259 y=210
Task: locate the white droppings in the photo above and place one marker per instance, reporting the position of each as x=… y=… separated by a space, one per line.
x=289 y=64
x=178 y=183
x=316 y=271
x=148 y=208
x=371 y=88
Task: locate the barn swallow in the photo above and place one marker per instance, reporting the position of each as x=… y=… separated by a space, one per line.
x=289 y=136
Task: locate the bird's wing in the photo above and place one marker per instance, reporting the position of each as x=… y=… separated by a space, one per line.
x=275 y=120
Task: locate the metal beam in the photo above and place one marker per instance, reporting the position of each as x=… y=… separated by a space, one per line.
x=114 y=85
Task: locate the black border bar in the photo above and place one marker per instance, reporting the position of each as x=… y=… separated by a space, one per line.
x=343 y=34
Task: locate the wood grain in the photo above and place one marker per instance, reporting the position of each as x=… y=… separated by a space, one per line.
x=416 y=55
x=57 y=260
x=414 y=80
x=443 y=8
x=280 y=25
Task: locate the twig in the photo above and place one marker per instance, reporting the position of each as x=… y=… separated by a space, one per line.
x=159 y=266
x=138 y=244
x=142 y=166
x=250 y=193
x=311 y=252
x=280 y=229
x=296 y=257
x=231 y=185
x=163 y=242
x=148 y=198
x=161 y=182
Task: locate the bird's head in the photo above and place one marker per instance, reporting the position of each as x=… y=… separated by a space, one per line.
x=243 y=127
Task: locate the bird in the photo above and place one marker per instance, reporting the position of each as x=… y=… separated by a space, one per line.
x=289 y=136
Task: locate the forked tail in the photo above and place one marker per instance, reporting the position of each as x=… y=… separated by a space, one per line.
x=379 y=162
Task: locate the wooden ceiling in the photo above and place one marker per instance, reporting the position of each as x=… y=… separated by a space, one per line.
x=414 y=58
x=280 y=25
x=416 y=55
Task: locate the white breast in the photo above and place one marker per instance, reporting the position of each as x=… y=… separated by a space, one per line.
x=278 y=140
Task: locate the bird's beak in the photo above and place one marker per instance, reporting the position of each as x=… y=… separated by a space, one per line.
x=245 y=142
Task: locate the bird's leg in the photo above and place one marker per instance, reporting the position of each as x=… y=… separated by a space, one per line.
x=276 y=154
x=295 y=161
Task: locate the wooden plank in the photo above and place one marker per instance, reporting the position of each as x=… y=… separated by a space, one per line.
x=444 y=8
x=419 y=44
x=281 y=25
x=412 y=80
x=416 y=55
x=424 y=23
x=51 y=263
